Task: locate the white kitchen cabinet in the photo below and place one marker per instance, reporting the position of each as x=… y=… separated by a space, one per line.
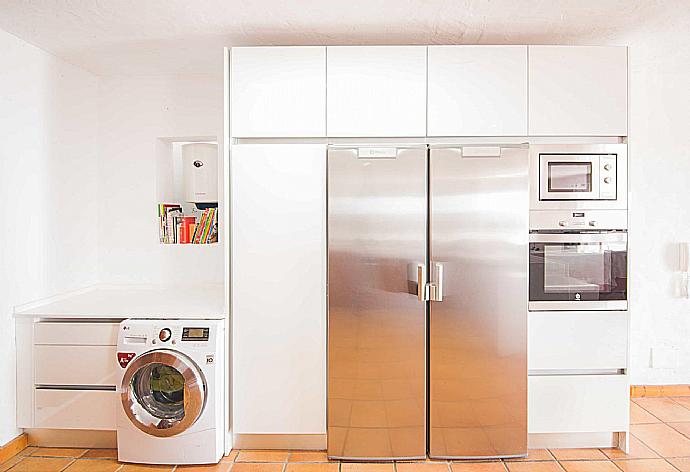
x=67 y=373
x=76 y=409
x=477 y=91
x=376 y=91
x=75 y=365
x=278 y=91
x=278 y=288
x=578 y=403
x=578 y=91
x=578 y=340
x=76 y=333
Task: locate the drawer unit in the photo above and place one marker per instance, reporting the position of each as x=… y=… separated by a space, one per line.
x=75 y=409
x=578 y=340
x=80 y=334
x=75 y=365
x=578 y=403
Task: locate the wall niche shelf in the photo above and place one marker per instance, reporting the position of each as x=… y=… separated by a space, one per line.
x=187 y=190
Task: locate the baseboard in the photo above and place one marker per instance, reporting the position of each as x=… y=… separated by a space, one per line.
x=81 y=438
x=638 y=391
x=572 y=440
x=13 y=447
x=316 y=442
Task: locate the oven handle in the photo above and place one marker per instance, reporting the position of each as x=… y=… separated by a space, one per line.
x=579 y=238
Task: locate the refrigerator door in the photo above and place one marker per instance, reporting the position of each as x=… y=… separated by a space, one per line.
x=478 y=331
x=377 y=225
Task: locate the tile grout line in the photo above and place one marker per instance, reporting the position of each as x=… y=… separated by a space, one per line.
x=673 y=399
x=649 y=412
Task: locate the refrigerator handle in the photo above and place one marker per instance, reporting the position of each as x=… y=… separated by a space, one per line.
x=421 y=283
x=436 y=287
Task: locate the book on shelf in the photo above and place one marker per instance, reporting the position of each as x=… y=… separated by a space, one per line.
x=177 y=228
x=203 y=231
x=166 y=221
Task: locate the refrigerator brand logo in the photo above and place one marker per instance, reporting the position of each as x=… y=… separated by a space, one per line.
x=377 y=153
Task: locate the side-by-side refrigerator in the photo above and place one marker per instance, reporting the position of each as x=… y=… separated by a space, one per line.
x=427 y=301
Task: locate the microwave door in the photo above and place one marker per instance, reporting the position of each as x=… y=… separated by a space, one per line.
x=569 y=177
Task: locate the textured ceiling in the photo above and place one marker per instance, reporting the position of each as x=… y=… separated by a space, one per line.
x=145 y=37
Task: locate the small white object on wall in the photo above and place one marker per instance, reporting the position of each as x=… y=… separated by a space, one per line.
x=200 y=170
x=684 y=268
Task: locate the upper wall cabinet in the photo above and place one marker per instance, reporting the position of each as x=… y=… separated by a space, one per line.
x=279 y=92
x=376 y=91
x=477 y=91
x=578 y=91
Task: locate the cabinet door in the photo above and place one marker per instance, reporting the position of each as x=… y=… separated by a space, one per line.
x=278 y=288
x=578 y=91
x=577 y=340
x=477 y=91
x=578 y=403
x=376 y=91
x=76 y=409
x=278 y=92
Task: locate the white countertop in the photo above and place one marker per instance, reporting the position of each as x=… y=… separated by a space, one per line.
x=132 y=301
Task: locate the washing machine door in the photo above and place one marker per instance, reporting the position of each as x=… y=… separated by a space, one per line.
x=163 y=392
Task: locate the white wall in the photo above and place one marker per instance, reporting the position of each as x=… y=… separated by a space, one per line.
x=659 y=61
x=134 y=113
x=48 y=190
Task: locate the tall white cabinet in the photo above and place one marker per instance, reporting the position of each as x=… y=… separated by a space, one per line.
x=578 y=91
x=477 y=91
x=286 y=104
x=278 y=294
x=278 y=92
x=376 y=91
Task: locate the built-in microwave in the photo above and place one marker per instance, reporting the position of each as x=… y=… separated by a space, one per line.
x=578 y=270
x=578 y=176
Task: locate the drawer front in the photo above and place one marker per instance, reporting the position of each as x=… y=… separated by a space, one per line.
x=75 y=409
x=578 y=403
x=578 y=340
x=79 y=334
x=75 y=365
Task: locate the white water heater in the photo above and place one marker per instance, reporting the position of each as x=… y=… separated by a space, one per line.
x=200 y=172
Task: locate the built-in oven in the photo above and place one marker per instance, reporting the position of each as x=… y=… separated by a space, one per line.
x=576 y=176
x=578 y=270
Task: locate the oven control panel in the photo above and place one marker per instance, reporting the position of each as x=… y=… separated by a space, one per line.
x=578 y=220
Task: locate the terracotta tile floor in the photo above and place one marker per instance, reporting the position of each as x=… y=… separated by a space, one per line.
x=660 y=442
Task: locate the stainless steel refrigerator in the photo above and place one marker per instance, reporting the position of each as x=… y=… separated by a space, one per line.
x=427 y=301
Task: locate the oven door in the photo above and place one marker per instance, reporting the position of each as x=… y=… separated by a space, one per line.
x=569 y=177
x=578 y=271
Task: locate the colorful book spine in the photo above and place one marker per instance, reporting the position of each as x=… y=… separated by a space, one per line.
x=200 y=228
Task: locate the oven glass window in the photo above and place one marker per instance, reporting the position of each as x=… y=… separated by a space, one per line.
x=570 y=176
x=578 y=271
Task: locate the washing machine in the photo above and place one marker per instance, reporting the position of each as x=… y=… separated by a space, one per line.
x=171 y=391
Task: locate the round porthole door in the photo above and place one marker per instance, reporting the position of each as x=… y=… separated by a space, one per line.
x=163 y=392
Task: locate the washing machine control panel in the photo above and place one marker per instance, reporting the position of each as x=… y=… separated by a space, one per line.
x=168 y=333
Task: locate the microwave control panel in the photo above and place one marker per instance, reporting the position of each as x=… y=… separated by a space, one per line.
x=607 y=177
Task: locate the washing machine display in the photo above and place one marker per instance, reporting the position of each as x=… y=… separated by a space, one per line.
x=194 y=334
